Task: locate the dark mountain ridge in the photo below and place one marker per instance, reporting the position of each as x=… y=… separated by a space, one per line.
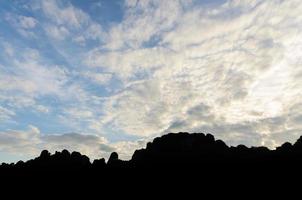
x=169 y=152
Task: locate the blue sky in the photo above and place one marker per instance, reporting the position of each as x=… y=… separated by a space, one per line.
x=99 y=76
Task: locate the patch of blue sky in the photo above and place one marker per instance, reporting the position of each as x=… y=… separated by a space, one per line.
x=117 y=135
x=7 y=32
x=49 y=122
x=10 y=157
x=103 y=12
x=154 y=41
x=8 y=124
x=209 y=2
x=97 y=89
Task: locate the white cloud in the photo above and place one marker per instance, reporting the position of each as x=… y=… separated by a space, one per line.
x=64 y=16
x=92 y=145
x=67 y=20
x=20 y=142
x=8 y=49
x=98 y=78
x=31 y=142
x=27 y=22
x=143 y=21
x=126 y=149
x=240 y=59
x=78 y=113
x=42 y=109
x=29 y=79
x=57 y=32
x=80 y=40
x=94 y=31
x=6 y=114
x=23 y=24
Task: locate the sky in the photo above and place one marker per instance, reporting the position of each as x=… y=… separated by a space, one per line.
x=98 y=76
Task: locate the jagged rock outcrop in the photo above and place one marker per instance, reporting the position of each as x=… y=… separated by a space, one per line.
x=172 y=151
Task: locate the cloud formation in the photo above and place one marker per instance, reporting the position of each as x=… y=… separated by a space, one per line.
x=31 y=142
x=238 y=60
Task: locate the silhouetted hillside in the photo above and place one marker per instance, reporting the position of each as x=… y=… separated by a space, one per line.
x=183 y=152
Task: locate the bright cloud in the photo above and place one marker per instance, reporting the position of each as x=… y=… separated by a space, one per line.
x=234 y=59
x=31 y=142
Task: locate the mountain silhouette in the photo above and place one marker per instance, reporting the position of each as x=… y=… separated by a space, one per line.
x=181 y=154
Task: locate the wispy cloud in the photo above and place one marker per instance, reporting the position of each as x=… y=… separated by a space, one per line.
x=6 y=114
x=23 y=24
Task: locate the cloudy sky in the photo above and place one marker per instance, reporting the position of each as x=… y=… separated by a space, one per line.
x=98 y=76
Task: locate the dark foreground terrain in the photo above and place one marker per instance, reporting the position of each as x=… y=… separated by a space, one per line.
x=181 y=152
x=172 y=164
